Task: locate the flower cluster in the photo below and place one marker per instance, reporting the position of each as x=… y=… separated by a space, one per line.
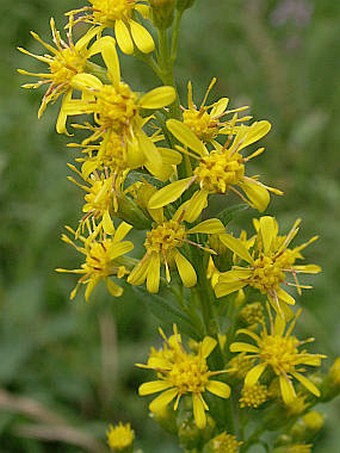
x=161 y=182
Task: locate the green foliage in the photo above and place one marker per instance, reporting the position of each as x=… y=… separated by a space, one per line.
x=64 y=355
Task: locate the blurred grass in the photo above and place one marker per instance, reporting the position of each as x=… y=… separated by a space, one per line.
x=77 y=359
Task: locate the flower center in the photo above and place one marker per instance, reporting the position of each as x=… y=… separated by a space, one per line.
x=165 y=237
x=98 y=259
x=200 y=122
x=112 y=153
x=267 y=274
x=217 y=172
x=189 y=374
x=279 y=352
x=100 y=196
x=65 y=65
x=116 y=106
x=106 y=12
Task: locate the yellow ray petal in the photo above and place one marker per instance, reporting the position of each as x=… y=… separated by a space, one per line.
x=199 y=411
x=210 y=226
x=163 y=400
x=218 y=388
x=254 y=374
x=158 y=97
x=287 y=390
x=123 y=37
x=169 y=193
x=153 y=387
x=142 y=38
x=185 y=135
x=153 y=275
x=237 y=246
x=185 y=270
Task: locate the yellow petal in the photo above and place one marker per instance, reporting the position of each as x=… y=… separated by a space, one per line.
x=219 y=107
x=237 y=246
x=142 y=38
x=199 y=411
x=119 y=249
x=307 y=383
x=153 y=387
x=218 y=388
x=113 y=288
x=308 y=268
x=86 y=81
x=254 y=374
x=268 y=233
x=207 y=346
x=158 y=97
x=254 y=132
x=185 y=270
x=163 y=400
x=169 y=193
x=122 y=230
x=123 y=37
x=194 y=207
x=185 y=135
x=285 y=297
x=107 y=47
x=153 y=275
x=287 y=390
x=224 y=288
x=107 y=223
x=256 y=192
x=239 y=346
x=210 y=226
x=138 y=274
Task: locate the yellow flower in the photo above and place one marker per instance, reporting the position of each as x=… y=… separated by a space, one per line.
x=162 y=247
x=116 y=109
x=279 y=352
x=65 y=60
x=268 y=259
x=206 y=121
x=180 y=373
x=217 y=171
x=103 y=258
x=120 y=437
x=223 y=443
x=118 y=14
x=253 y=396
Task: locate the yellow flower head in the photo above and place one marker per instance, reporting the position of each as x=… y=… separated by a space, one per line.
x=279 y=352
x=218 y=171
x=252 y=314
x=206 y=120
x=118 y=14
x=224 y=443
x=120 y=437
x=253 y=396
x=183 y=373
x=103 y=258
x=65 y=60
x=163 y=244
x=268 y=259
x=116 y=109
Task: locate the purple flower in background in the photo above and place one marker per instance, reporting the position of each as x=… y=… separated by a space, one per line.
x=297 y=11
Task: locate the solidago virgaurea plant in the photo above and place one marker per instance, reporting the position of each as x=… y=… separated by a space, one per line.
x=231 y=371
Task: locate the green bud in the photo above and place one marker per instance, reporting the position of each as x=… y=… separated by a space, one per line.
x=166 y=418
x=162 y=13
x=184 y=4
x=132 y=214
x=331 y=383
x=307 y=426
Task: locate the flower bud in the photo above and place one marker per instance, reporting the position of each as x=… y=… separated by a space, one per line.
x=162 y=13
x=166 y=418
x=222 y=443
x=120 y=438
x=307 y=427
x=131 y=213
x=184 y=4
x=331 y=383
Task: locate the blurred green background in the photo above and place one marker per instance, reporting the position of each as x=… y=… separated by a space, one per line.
x=71 y=364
